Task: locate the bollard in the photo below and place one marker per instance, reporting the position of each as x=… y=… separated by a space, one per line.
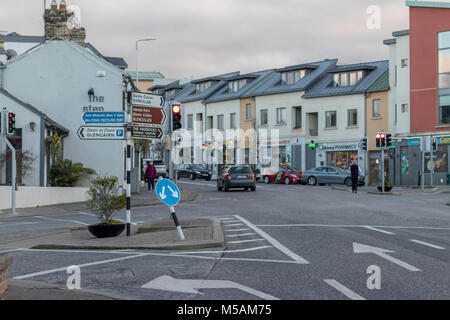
x=177 y=224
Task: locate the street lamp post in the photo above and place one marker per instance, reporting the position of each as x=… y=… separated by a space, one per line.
x=137 y=57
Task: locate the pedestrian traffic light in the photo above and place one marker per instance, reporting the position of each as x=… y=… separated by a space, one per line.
x=312 y=145
x=434 y=144
x=176 y=116
x=378 y=140
x=364 y=143
x=388 y=140
x=11 y=123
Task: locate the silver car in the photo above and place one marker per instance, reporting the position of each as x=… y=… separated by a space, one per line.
x=329 y=175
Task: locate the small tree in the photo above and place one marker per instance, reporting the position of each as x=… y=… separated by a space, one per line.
x=64 y=173
x=105 y=198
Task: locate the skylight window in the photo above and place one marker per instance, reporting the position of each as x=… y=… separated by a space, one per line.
x=292 y=77
x=203 y=86
x=343 y=79
x=236 y=85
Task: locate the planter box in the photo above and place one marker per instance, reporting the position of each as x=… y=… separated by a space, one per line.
x=5 y=261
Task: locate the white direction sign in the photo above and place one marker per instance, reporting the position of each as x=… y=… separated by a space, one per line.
x=362 y=248
x=167 y=283
x=101 y=133
x=147 y=100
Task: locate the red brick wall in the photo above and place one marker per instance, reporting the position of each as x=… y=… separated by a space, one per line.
x=425 y=23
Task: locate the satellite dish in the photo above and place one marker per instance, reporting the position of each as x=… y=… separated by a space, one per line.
x=11 y=53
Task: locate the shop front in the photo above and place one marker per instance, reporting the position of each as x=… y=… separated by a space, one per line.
x=340 y=155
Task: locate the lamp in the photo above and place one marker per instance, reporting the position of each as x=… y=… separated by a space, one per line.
x=91 y=92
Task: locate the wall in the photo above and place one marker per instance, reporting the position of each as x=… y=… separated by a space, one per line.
x=28 y=197
x=144 y=85
x=375 y=125
x=425 y=23
x=56 y=78
x=5 y=261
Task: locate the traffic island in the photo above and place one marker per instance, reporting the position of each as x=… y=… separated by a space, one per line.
x=5 y=261
x=157 y=235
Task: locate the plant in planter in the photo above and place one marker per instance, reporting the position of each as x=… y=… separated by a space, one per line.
x=387 y=186
x=105 y=199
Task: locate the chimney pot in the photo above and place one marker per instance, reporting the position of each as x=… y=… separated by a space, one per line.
x=54 y=5
x=62 y=5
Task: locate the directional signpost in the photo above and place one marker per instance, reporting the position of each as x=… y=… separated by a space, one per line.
x=169 y=194
x=146 y=100
x=148 y=115
x=104 y=117
x=101 y=133
x=151 y=133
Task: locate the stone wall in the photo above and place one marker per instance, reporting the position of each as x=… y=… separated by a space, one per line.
x=56 y=26
x=5 y=261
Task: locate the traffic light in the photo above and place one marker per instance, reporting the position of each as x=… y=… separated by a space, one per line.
x=388 y=140
x=364 y=143
x=176 y=116
x=11 y=123
x=312 y=145
x=434 y=144
x=378 y=140
x=382 y=140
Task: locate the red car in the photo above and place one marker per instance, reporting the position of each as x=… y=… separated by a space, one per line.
x=286 y=175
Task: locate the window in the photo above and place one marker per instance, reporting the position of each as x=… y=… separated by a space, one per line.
x=444 y=76
x=376 y=108
x=220 y=122
x=264 y=117
x=236 y=85
x=190 y=121
x=352 y=117
x=292 y=77
x=203 y=86
x=233 y=120
x=281 y=115
x=248 y=111
x=404 y=108
x=343 y=79
x=404 y=63
x=444 y=109
x=330 y=117
x=298 y=117
x=209 y=123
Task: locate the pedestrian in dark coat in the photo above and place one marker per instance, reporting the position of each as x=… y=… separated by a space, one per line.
x=150 y=175
x=354 y=169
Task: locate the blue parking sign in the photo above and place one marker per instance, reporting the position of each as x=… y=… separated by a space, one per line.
x=168 y=192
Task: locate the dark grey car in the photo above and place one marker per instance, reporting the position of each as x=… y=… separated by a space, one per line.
x=236 y=177
x=329 y=175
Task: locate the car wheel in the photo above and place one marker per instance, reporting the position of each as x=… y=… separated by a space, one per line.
x=266 y=180
x=253 y=188
x=287 y=180
x=192 y=177
x=348 y=182
x=312 y=181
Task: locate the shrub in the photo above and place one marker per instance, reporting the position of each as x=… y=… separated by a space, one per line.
x=64 y=173
x=105 y=198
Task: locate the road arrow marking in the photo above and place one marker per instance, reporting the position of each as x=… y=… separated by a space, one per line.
x=362 y=248
x=344 y=290
x=168 y=283
x=174 y=193
x=162 y=193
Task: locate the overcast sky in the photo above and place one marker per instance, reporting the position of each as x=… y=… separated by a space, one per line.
x=197 y=38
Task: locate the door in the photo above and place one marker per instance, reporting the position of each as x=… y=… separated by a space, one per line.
x=296 y=156
x=332 y=175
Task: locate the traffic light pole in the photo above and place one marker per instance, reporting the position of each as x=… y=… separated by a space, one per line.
x=13 y=160
x=382 y=170
x=170 y=141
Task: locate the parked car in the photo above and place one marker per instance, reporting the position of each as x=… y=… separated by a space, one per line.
x=193 y=171
x=161 y=168
x=236 y=177
x=284 y=174
x=329 y=175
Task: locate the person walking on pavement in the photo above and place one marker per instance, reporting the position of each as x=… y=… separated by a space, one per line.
x=150 y=175
x=354 y=169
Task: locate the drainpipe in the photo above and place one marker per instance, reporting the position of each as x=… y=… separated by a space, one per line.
x=366 y=165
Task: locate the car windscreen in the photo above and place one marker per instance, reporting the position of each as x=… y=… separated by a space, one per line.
x=240 y=170
x=198 y=167
x=291 y=169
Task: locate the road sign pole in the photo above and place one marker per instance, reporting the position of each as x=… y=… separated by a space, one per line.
x=422 y=147
x=170 y=140
x=177 y=224
x=128 y=175
x=13 y=161
x=382 y=170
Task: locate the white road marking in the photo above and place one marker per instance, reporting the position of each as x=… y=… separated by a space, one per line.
x=223 y=251
x=11 y=250
x=61 y=220
x=240 y=235
x=18 y=224
x=274 y=242
x=244 y=241
x=427 y=244
x=78 y=251
x=229 y=230
x=234 y=225
x=344 y=290
x=32 y=275
x=348 y=226
x=379 y=230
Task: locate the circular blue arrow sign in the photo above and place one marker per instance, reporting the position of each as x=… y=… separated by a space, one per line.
x=168 y=192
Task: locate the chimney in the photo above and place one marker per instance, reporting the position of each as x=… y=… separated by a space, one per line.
x=54 y=6
x=3 y=55
x=57 y=27
x=62 y=5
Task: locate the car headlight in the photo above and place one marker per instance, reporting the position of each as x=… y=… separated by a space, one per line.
x=197 y=172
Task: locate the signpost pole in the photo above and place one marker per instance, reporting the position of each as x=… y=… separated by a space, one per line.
x=382 y=170
x=177 y=224
x=170 y=140
x=128 y=164
x=4 y=127
x=422 y=149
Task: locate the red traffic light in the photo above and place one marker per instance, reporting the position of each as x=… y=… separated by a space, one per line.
x=378 y=136
x=383 y=136
x=176 y=108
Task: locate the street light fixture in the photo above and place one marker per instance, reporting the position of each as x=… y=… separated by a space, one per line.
x=137 y=70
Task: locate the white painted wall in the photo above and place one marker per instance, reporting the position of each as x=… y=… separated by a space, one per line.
x=20 y=47
x=30 y=139
x=28 y=197
x=399 y=86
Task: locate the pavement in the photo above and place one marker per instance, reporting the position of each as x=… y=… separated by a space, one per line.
x=397 y=190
